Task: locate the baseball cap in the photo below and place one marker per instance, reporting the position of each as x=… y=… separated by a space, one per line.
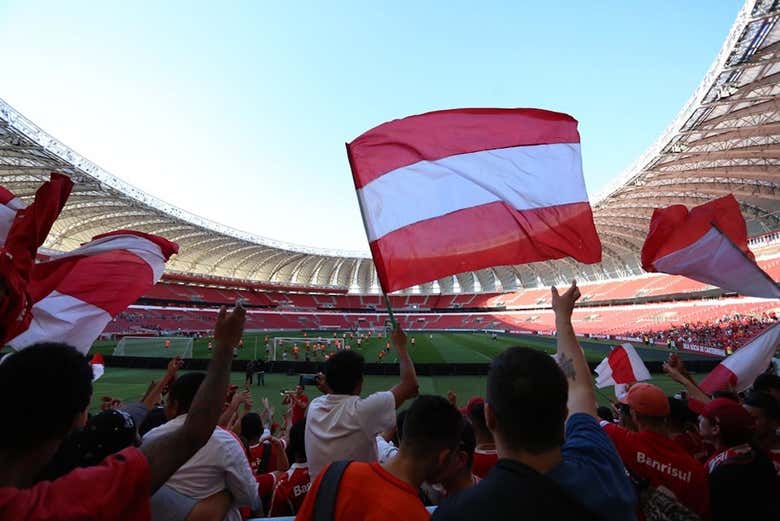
x=473 y=402
x=648 y=399
x=729 y=414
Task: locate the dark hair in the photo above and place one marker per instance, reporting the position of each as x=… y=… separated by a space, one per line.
x=528 y=393
x=343 y=371
x=766 y=381
x=153 y=419
x=296 y=450
x=605 y=413
x=106 y=433
x=251 y=426
x=766 y=402
x=183 y=390
x=50 y=375
x=431 y=425
x=477 y=418
x=468 y=441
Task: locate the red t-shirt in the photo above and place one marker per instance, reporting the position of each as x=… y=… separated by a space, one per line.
x=299 y=411
x=117 y=489
x=368 y=491
x=655 y=457
x=290 y=491
x=693 y=444
x=256 y=453
x=484 y=460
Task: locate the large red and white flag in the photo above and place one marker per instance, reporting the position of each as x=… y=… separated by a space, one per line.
x=9 y=205
x=741 y=369
x=23 y=229
x=460 y=190
x=623 y=365
x=76 y=294
x=708 y=244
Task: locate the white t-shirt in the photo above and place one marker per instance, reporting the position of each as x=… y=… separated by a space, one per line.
x=219 y=465
x=344 y=427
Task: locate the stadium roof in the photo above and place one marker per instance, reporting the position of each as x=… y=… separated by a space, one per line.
x=726 y=139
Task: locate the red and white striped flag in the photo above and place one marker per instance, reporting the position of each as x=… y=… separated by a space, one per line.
x=708 y=244
x=460 y=190
x=623 y=365
x=76 y=294
x=98 y=366
x=9 y=205
x=742 y=368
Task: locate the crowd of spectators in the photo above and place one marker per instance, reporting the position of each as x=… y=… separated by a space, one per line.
x=536 y=446
x=729 y=333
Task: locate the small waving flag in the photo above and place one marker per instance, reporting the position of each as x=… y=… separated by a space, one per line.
x=76 y=294
x=623 y=365
x=460 y=190
x=98 y=366
x=708 y=244
x=742 y=368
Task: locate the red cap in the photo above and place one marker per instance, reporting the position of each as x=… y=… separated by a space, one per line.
x=729 y=414
x=648 y=399
x=473 y=402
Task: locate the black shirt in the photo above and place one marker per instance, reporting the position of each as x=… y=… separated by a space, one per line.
x=513 y=490
x=743 y=486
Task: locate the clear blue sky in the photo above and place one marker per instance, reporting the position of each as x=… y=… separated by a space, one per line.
x=239 y=111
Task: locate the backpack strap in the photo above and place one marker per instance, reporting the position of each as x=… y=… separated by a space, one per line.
x=325 y=502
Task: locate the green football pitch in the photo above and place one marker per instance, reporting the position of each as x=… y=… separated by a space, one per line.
x=456 y=347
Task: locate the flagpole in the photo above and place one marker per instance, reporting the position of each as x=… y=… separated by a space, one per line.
x=390 y=312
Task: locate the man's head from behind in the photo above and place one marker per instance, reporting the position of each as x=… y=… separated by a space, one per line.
x=344 y=372
x=765 y=410
x=649 y=406
x=45 y=390
x=526 y=401
x=431 y=435
x=252 y=427
x=477 y=418
x=296 y=450
x=181 y=394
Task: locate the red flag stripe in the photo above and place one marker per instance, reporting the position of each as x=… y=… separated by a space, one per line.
x=430 y=136
x=484 y=236
x=622 y=372
x=518 y=177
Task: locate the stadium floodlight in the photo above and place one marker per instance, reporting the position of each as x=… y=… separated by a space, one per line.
x=155 y=346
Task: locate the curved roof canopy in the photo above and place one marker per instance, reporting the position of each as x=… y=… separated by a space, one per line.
x=726 y=139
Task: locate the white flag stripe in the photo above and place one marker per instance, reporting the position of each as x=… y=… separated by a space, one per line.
x=752 y=359
x=7 y=215
x=713 y=259
x=62 y=318
x=143 y=248
x=637 y=365
x=519 y=176
x=604 y=374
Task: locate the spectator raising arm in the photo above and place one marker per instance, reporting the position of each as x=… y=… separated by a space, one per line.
x=675 y=368
x=167 y=453
x=408 y=387
x=569 y=356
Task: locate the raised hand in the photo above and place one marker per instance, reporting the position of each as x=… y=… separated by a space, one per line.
x=398 y=338
x=564 y=304
x=229 y=327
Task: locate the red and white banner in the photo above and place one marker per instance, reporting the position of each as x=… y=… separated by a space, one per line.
x=76 y=294
x=623 y=365
x=98 y=366
x=741 y=369
x=707 y=244
x=460 y=190
x=9 y=205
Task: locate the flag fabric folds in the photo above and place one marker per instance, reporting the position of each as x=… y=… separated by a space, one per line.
x=23 y=229
x=707 y=244
x=98 y=365
x=75 y=295
x=623 y=365
x=742 y=368
x=465 y=189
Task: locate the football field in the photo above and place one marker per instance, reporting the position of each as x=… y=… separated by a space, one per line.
x=438 y=347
